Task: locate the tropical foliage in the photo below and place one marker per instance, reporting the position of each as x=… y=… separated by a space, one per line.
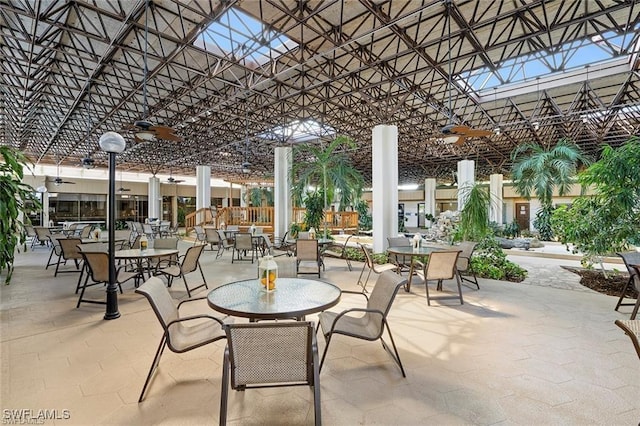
x=15 y=196
x=314 y=212
x=490 y=261
x=260 y=196
x=365 y=220
x=328 y=170
x=539 y=171
x=608 y=221
x=474 y=217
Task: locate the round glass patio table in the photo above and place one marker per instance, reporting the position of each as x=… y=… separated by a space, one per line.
x=413 y=253
x=292 y=298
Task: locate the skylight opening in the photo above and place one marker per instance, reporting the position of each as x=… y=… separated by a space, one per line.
x=240 y=37
x=299 y=131
x=572 y=55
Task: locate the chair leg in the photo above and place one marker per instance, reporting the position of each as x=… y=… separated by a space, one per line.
x=426 y=286
x=82 y=292
x=635 y=309
x=204 y=282
x=154 y=365
x=316 y=386
x=459 y=288
x=396 y=358
x=224 y=395
x=623 y=294
x=327 y=339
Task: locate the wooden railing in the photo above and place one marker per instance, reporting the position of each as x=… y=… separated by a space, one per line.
x=263 y=216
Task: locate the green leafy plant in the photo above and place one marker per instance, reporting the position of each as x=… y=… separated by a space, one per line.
x=541 y=170
x=608 y=221
x=16 y=197
x=511 y=230
x=474 y=217
x=314 y=210
x=542 y=222
x=328 y=170
x=489 y=261
x=365 y=220
x=294 y=228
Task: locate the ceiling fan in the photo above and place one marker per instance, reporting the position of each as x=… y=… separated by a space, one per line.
x=456 y=133
x=58 y=180
x=173 y=180
x=145 y=130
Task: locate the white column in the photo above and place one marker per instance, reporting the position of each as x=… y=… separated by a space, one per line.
x=282 y=209
x=45 y=209
x=385 y=185
x=203 y=191
x=243 y=195
x=495 y=193
x=430 y=196
x=154 y=198
x=466 y=178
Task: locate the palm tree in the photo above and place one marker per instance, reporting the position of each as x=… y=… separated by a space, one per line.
x=328 y=170
x=540 y=170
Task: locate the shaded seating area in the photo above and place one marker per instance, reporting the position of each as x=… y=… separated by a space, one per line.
x=270 y=354
x=179 y=334
x=367 y=323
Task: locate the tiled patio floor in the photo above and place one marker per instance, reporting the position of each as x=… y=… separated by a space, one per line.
x=543 y=353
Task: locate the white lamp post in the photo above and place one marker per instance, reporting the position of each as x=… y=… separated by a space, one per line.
x=113 y=143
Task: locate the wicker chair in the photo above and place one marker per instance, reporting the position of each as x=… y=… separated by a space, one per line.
x=178 y=333
x=370 y=322
x=270 y=354
x=177 y=269
x=442 y=266
x=338 y=251
x=372 y=266
x=307 y=251
x=630 y=258
x=632 y=329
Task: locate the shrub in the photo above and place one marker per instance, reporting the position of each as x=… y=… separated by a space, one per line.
x=489 y=261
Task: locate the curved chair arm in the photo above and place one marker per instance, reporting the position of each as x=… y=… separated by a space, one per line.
x=165 y=263
x=343 y=313
x=355 y=292
x=193 y=299
x=192 y=317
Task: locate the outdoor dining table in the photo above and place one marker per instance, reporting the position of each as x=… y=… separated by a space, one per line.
x=413 y=253
x=291 y=298
x=138 y=255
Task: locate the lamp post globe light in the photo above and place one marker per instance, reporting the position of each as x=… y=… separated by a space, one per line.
x=112 y=143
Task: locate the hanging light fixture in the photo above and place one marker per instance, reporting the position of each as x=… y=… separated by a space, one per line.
x=144 y=132
x=88 y=162
x=246 y=165
x=449 y=138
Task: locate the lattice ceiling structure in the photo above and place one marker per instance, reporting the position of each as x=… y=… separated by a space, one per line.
x=232 y=77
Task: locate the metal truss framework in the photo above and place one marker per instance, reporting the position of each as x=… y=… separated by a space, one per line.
x=356 y=64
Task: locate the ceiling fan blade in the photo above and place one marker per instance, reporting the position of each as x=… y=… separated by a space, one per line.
x=460 y=130
x=475 y=133
x=166 y=133
x=460 y=140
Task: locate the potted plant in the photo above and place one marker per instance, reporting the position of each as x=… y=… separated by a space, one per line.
x=15 y=196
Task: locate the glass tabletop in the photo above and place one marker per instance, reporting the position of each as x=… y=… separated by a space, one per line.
x=292 y=297
x=410 y=251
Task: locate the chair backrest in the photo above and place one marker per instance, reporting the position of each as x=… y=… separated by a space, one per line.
x=464 y=259
x=30 y=231
x=42 y=233
x=165 y=243
x=191 y=257
x=55 y=243
x=243 y=241
x=211 y=235
x=160 y=300
x=136 y=242
x=147 y=229
x=307 y=250
x=399 y=241
x=69 y=247
x=233 y=228
x=286 y=267
x=343 y=247
x=303 y=235
x=93 y=247
x=367 y=256
x=268 y=353
x=98 y=263
x=441 y=265
x=382 y=297
x=259 y=230
x=86 y=231
x=223 y=238
x=630 y=258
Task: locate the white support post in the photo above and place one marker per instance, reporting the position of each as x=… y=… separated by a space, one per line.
x=203 y=191
x=495 y=191
x=430 y=196
x=466 y=178
x=154 y=198
x=282 y=208
x=385 y=185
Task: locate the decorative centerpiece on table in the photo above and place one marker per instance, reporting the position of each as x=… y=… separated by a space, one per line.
x=415 y=242
x=268 y=273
